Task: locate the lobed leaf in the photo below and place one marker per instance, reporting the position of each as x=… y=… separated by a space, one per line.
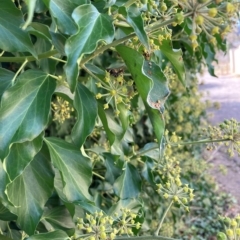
x=25 y=109
x=30 y=191
x=86 y=107
x=92 y=28
x=75 y=169
x=13 y=38
x=128 y=185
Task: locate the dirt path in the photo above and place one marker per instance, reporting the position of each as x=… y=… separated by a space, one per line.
x=226 y=91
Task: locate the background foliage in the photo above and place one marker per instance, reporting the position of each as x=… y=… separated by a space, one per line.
x=93 y=144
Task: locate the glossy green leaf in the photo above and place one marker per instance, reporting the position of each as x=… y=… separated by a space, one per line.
x=20 y=155
x=147 y=171
x=31 y=6
x=86 y=108
x=30 y=191
x=93 y=27
x=128 y=185
x=13 y=38
x=6 y=76
x=54 y=235
x=39 y=30
x=175 y=58
x=25 y=109
x=4 y=180
x=102 y=115
x=58 y=218
x=61 y=12
x=134 y=18
x=74 y=167
x=113 y=172
x=58 y=40
x=151 y=85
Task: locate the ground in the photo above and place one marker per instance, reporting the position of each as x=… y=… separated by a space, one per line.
x=226 y=91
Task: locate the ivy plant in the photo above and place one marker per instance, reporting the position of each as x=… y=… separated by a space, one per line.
x=76 y=77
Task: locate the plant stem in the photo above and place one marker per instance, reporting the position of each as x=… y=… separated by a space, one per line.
x=96 y=174
x=58 y=59
x=19 y=70
x=163 y=217
x=29 y=58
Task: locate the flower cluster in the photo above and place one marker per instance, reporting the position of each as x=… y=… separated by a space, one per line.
x=211 y=17
x=232 y=228
x=116 y=90
x=61 y=109
x=98 y=226
x=176 y=192
x=227 y=132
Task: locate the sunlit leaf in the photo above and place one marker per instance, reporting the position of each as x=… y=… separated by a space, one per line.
x=25 y=109
x=89 y=21
x=13 y=38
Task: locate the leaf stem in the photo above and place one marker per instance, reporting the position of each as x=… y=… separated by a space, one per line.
x=96 y=174
x=18 y=71
x=58 y=59
x=163 y=217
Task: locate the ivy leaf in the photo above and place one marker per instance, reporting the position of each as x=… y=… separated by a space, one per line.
x=74 y=167
x=58 y=218
x=128 y=185
x=134 y=18
x=6 y=76
x=86 y=107
x=61 y=12
x=102 y=115
x=39 y=30
x=13 y=38
x=30 y=191
x=175 y=58
x=5 y=214
x=92 y=28
x=20 y=155
x=31 y=6
x=151 y=85
x=113 y=172
x=25 y=109
x=54 y=235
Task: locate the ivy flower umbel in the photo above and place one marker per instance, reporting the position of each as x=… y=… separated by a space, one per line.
x=98 y=226
x=61 y=109
x=176 y=192
x=116 y=91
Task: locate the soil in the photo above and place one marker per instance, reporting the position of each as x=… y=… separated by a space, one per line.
x=226 y=91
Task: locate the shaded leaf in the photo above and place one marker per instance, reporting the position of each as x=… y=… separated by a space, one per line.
x=113 y=172
x=6 y=76
x=92 y=28
x=13 y=38
x=39 y=30
x=55 y=235
x=128 y=185
x=58 y=218
x=58 y=40
x=102 y=115
x=175 y=58
x=145 y=78
x=20 y=155
x=74 y=167
x=147 y=170
x=5 y=214
x=25 y=109
x=86 y=107
x=30 y=191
